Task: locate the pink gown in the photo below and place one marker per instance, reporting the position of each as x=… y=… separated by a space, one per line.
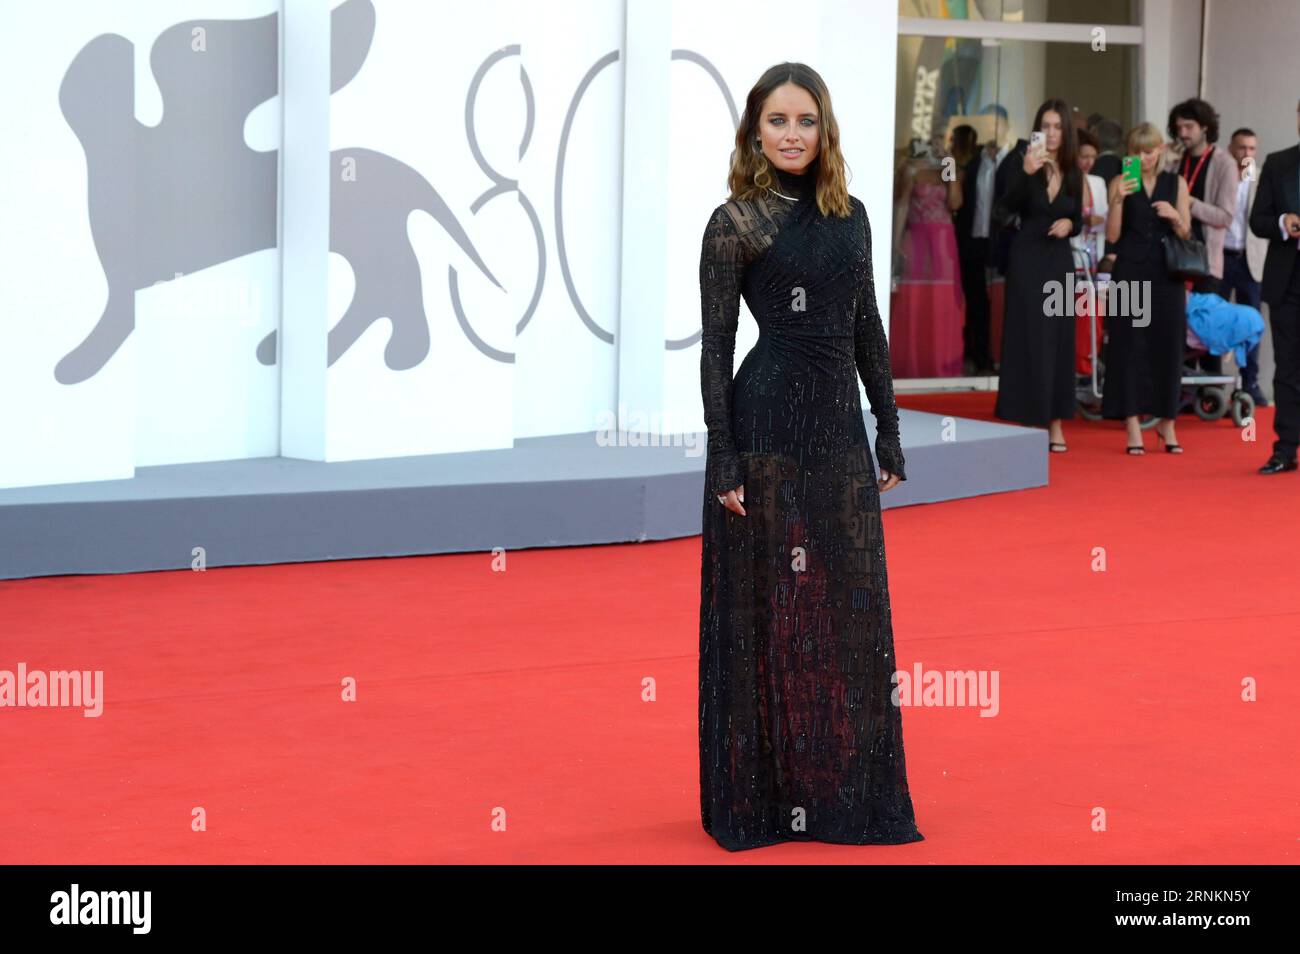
x=928 y=309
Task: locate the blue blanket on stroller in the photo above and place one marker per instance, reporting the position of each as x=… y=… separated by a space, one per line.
x=1223 y=326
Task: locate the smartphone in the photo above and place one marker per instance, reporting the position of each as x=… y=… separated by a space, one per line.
x=1133 y=170
x=1038 y=140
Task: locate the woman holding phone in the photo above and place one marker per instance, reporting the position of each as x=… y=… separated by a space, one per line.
x=1036 y=380
x=1144 y=355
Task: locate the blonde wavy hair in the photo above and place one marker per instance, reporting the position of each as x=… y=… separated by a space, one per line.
x=751 y=173
x=1144 y=136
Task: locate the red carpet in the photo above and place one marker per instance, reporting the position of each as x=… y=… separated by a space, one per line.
x=522 y=690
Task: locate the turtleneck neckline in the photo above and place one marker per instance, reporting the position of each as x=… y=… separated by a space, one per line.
x=794 y=184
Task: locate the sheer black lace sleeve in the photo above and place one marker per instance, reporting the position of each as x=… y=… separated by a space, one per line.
x=871 y=354
x=721 y=266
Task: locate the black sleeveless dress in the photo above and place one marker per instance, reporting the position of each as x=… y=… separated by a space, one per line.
x=799 y=739
x=1144 y=353
x=1036 y=376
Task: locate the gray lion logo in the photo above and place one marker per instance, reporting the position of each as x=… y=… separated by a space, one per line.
x=196 y=160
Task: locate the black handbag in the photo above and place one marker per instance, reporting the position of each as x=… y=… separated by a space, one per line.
x=1186 y=258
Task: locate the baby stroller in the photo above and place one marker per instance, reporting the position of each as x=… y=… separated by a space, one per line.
x=1215 y=327
x=1229 y=327
x=1089 y=311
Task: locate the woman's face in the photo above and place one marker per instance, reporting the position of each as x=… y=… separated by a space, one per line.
x=1051 y=126
x=1151 y=157
x=1087 y=156
x=790 y=128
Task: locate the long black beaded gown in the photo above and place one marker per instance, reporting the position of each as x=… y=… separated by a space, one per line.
x=799 y=738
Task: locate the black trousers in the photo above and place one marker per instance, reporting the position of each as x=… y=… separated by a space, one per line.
x=1236 y=277
x=974 y=256
x=1285 y=323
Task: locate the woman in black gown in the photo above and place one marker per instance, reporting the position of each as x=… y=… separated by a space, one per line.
x=1036 y=378
x=1144 y=353
x=799 y=738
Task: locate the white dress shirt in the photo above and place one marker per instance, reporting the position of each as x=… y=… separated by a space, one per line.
x=1236 y=237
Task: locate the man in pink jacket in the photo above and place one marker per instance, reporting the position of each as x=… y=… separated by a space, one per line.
x=1211 y=175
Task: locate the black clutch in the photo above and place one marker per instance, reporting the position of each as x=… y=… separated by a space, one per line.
x=1186 y=258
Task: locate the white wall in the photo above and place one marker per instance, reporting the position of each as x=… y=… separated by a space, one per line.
x=1252 y=76
x=183 y=383
x=186 y=383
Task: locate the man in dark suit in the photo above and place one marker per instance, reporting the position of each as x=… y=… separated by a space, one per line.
x=976 y=235
x=1276 y=217
x=973 y=253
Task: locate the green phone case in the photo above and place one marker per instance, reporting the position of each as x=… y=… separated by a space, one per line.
x=1133 y=169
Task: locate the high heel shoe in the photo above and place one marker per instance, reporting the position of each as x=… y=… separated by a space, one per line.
x=1057 y=448
x=1135 y=449
x=1169 y=448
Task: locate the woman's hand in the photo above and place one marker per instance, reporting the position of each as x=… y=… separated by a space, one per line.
x=1060 y=228
x=1128 y=186
x=734 y=500
x=1034 y=160
x=887 y=482
x=1165 y=210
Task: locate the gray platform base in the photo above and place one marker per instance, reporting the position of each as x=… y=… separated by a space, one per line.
x=544 y=492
